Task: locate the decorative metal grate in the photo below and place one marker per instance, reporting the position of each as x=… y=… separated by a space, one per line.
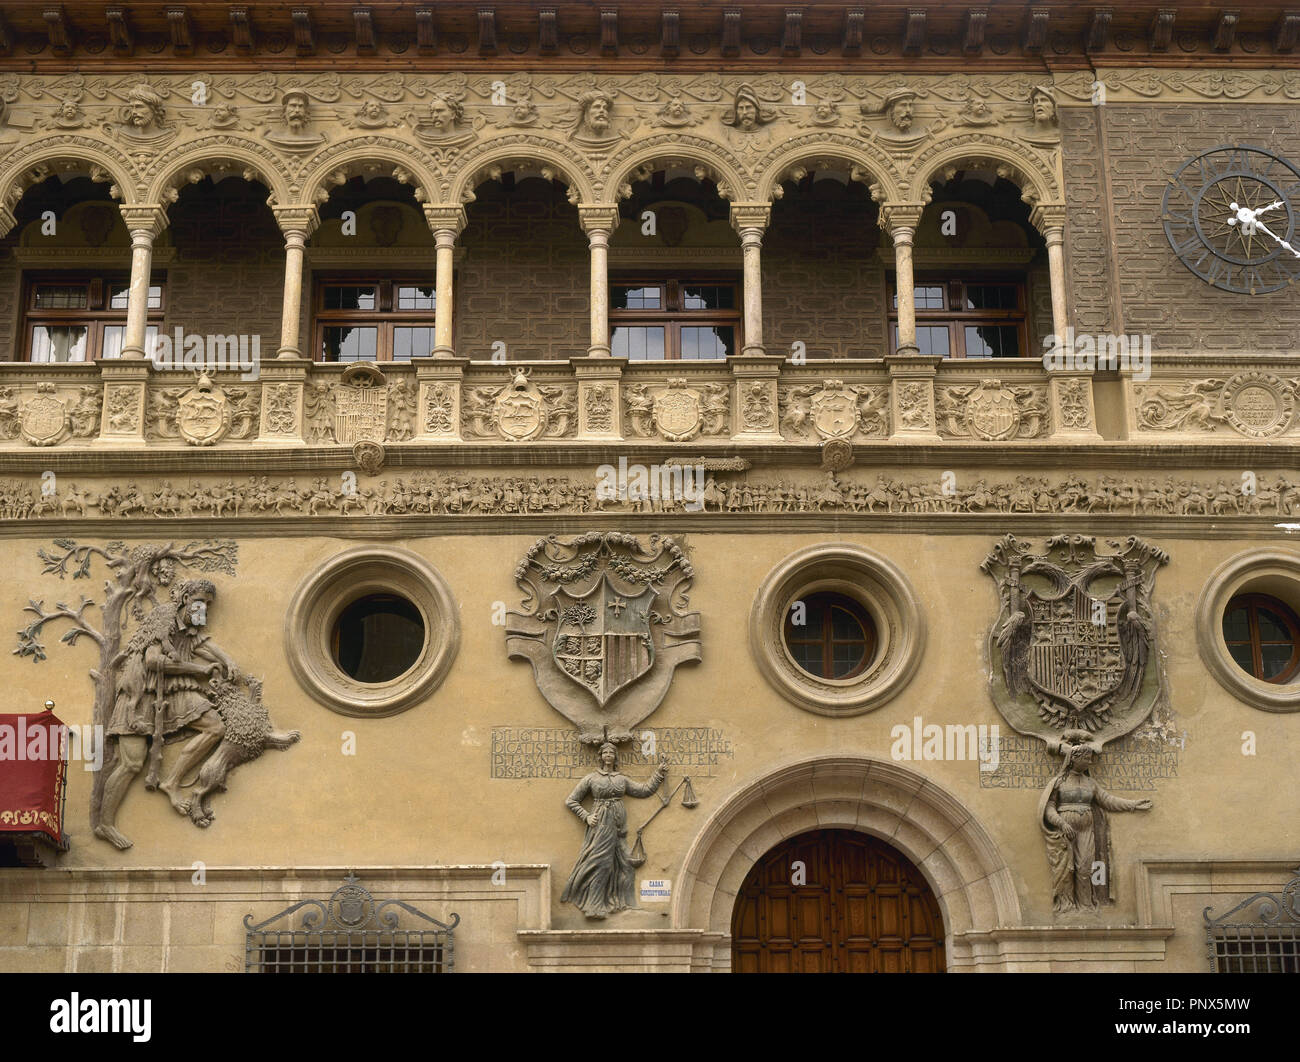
x=349 y=933
x=1271 y=944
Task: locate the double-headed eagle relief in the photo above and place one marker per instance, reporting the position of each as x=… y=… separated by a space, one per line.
x=160 y=679
x=605 y=627
x=1074 y=661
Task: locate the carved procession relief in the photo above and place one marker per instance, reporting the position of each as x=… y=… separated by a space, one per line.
x=159 y=677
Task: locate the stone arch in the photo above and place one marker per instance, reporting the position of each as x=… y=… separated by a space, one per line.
x=569 y=163
x=724 y=168
x=217 y=156
x=65 y=153
x=1011 y=159
x=877 y=170
x=953 y=850
x=403 y=161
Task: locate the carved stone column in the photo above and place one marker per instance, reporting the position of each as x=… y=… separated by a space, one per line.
x=1049 y=219
x=751 y=221
x=145 y=224
x=599 y=397
x=599 y=222
x=447 y=222
x=297 y=224
x=283 y=385
x=122 y=420
x=754 y=401
x=900 y=221
x=911 y=380
x=438 y=412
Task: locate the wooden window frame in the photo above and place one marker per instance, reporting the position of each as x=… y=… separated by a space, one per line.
x=672 y=317
x=1253 y=602
x=96 y=316
x=826 y=637
x=385 y=319
x=954 y=285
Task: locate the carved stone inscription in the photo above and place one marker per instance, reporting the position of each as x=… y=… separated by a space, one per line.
x=556 y=752
x=1130 y=764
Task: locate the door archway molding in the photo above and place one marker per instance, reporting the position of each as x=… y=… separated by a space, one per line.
x=956 y=854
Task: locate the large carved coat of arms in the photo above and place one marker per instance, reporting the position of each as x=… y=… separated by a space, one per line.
x=44 y=417
x=1074 y=644
x=202 y=413
x=605 y=627
x=361 y=405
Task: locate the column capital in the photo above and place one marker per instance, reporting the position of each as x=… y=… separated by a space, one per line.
x=1048 y=218
x=302 y=219
x=598 y=217
x=900 y=218
x=445 y=218
x=750 y=216
x=148 y=218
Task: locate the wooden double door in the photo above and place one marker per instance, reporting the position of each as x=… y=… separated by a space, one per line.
x=836 y=901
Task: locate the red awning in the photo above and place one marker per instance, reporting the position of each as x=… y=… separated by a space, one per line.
x=33 y=772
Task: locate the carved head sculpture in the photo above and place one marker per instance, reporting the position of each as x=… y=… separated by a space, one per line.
x=1044 y=104
x=144 y=108
x=295 y=110
x=608 y=756
x=825 y=110
x=747 y=112
x=69 y=111
x=371 y=111
x=224 y=114
x=675 y=108
x=899 y=107
x=445 y=112
x=1079 y=750
x=594 y=108
x=192 y=598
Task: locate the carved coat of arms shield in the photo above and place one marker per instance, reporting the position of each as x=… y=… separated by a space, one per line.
x=835 y=413
x=992 y=411
x=361 y=405
x=202 y=414
x=679 y=413
x=604 y=626
x=1074 y=643
x=44 y=418
x=520 y=409
x=602 y=639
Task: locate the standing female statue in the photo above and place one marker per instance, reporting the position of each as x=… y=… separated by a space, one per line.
x=1073 y=816
x=604 y=878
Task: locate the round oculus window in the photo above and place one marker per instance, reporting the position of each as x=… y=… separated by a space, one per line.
x=378 y=638
x=830 y=636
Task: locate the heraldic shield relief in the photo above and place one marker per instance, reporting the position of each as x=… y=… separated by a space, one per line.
x=1074 y=644
x=606 y=627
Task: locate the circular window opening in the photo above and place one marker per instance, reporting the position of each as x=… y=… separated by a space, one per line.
x=830 y=636
x=1263 y=637
x=378 y=637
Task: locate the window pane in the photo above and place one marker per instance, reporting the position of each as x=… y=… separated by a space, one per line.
x=1275 y=659
x=1271 y=627
x=411 y=343
x=634 y=298
x=1242 y=655
x=59 y=343
x=62 y=297
x=992 y=341
x=990 y=297
x=119 y=293
x=1236 y=626
x=350 y=297
x=931 y=339
x=927 y=298
x=115 y=335
x=638 y=343
x=708 y=297
x=699 y=344
x=349 y=343
x=844 y=624
x=415 y=298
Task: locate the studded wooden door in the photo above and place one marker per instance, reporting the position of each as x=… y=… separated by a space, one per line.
x=836 y=901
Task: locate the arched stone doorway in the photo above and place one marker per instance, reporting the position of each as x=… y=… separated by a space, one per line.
x=836 y=901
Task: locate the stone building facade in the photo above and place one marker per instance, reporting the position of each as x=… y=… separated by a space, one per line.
x=762 y=489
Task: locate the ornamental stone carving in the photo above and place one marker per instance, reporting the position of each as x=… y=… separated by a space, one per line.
x=677 y=412
x=521 y=410
x=835 y=411
x=605 y=624
x=992 y=411
x=361 y=405
x=44 y=418
x=204 y=414
x=1258 y=405
x=158 y=674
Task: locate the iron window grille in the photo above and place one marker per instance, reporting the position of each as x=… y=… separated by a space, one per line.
x=349 y=933
x=1269 y=944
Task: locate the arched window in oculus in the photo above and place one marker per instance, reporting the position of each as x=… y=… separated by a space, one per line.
x=1263 y=637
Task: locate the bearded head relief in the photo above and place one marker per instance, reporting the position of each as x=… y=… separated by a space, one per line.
x=445 y=113
x=1043 y=102
x=143 y=111
x=900 y=108
x=295 y=110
